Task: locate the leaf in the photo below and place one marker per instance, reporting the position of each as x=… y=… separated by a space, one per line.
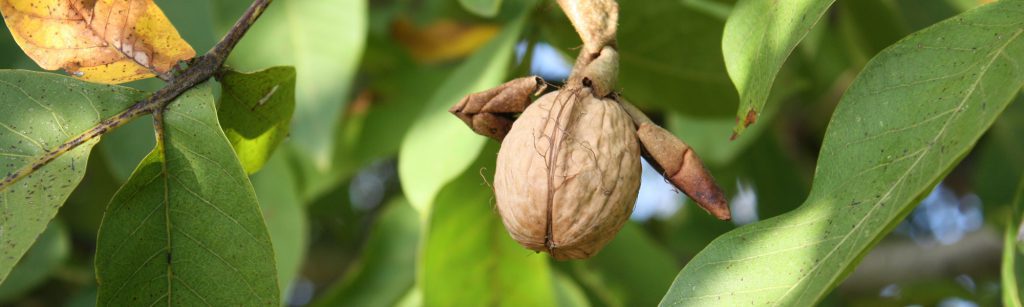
x=641 y=283
x=285 y=215
x=106 y=41
x=186 y=228
x=567 y=292
x=679 y=69
x=868 y=27
x=255 y=111
x=199 y=15
x=397 y=99
x=709 y=136
x=323 y=40
x=998 y=170
x=758 y=38
x=467 y=257
x=442 y=40
x=424 y=165
x=484 y=8
x=46 y=256
x=923 y=13
x=1013 y=253
x=915 y=110
x=386 y=270
x=41 y=111
x=125 y=147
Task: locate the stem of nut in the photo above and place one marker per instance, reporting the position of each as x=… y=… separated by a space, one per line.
x=595 y=20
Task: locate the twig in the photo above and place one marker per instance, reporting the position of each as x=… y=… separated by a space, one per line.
x=199 y=70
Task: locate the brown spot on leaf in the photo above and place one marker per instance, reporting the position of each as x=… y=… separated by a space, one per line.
x=750 y=119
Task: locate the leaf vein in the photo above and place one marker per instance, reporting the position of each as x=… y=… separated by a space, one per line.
x=191 y=289
x=814 y=270
x=218 y=209
x=222 y=260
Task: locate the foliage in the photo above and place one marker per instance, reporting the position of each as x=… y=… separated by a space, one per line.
x=320 y=166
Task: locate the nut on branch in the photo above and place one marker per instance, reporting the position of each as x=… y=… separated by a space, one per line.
x=568 y=174
x=568 y=171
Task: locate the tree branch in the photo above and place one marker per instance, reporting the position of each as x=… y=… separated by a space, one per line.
x=199 y=70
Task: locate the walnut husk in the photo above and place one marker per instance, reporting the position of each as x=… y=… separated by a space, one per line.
x=568 y=173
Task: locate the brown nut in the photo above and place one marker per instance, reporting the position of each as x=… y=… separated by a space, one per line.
x=568 y=174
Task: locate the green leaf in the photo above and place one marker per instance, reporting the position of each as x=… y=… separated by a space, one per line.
x=709 y=136
x=323 y=40
x=920 y=14
x=642 y=283
x=868 y=27
x=40 y=112
x=49 y=252
x=186 y=228
x=255 y=111
x=385 y=273
x=193 y=19
x=485 y=8
x=914 y=111
x=998 y=169
x=125 y=147
x=758 y=38
x=285 y=215
x=467 y=257
x=567 y=292
x=377 y=132
x=439 y=147
x=1013 y=253
x=679 y=69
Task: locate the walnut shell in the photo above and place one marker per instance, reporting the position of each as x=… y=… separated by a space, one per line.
x=568 y=174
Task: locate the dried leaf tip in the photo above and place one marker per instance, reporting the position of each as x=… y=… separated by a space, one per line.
x=490 y=113
x=683 y=168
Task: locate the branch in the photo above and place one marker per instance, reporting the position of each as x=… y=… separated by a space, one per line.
x=199 y=70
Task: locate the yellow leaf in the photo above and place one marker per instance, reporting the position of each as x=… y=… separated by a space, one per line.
x=106 y=41
x=442 y=40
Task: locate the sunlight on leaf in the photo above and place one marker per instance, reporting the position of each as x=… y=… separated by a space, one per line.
x=485 y=8
x=255 y=111
x=758 y=38
x=641 y=283
x=1013 y=253
x=41 y=111
x=106 y=41
x=186 y=227
x=438 y=146
x=467 y=257
x=285 y=215
x=911 y=115
x=567 y=292
x=323 y=40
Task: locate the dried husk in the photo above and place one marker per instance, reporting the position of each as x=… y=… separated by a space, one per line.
x=568 y=174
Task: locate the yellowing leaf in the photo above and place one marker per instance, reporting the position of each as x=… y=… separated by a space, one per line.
x=443 y=40
x=106 y=41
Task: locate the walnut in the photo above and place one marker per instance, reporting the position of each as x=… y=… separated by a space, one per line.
x=568 y=174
